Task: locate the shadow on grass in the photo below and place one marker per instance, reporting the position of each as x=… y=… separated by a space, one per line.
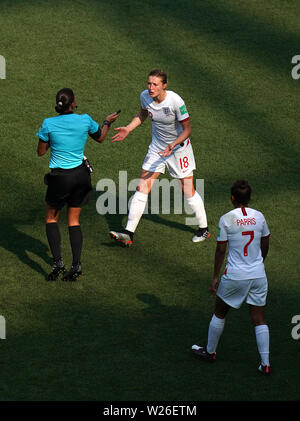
x=81 y=348
x=97 y=352
x=157 y=219
x=17 y=242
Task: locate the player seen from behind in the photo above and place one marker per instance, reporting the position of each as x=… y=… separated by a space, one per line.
x=247 y=234
x=69 y=181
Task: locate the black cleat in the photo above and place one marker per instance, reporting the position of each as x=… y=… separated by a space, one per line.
x=264 y=369
x=201 y=353
x=57 y=268
x=73 y=273
x=201 y=234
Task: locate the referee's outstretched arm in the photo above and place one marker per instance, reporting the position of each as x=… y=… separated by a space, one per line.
x=101 y=134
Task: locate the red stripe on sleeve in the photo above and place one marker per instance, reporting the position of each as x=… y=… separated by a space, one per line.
x=186 y=119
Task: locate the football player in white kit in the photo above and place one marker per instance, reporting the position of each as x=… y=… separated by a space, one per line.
x=247 y=234
x=170 y=147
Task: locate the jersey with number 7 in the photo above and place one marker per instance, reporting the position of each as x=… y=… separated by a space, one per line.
x=243 y=229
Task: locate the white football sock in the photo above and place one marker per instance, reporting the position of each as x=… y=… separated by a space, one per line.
x=263 y=341
x=215 y=330
x=137 y=207
x=197 y=205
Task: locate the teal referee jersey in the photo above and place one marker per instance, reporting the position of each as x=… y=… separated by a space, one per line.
x=67 y=135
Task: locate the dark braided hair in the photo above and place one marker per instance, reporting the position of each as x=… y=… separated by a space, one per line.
x=241 y=191
x=64 y=99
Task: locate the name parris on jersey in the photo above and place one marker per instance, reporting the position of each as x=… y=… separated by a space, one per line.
x=246 y=221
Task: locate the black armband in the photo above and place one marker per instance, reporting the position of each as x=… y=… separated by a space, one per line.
x=96 y=135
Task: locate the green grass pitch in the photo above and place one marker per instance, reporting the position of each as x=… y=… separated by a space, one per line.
x=123 y=332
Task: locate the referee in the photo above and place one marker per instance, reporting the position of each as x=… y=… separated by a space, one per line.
x=69 y=182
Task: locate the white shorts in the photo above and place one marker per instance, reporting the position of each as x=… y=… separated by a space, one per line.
x=180 y=163
x=235 y=292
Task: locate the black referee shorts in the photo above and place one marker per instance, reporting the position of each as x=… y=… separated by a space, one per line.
x=72 y=187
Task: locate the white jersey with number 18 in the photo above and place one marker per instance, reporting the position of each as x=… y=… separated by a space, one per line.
x=243 y=229
x=166 y=117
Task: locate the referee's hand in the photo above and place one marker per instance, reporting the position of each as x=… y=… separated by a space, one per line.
x=112 y=117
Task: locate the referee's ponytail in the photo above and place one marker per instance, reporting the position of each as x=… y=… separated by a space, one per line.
x=64 y=98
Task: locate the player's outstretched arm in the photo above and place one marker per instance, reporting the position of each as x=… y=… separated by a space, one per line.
x=124 y=131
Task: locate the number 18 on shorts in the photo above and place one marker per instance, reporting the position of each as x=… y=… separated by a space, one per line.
x=180 y=164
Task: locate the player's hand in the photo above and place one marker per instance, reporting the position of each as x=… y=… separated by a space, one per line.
x=112 y=117
x=122 y=133
x=213 y=285
x=167 y=151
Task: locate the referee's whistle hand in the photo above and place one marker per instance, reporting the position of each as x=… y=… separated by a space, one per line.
x=112 y=117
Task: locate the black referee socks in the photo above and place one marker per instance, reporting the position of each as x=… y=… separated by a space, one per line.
x=76 y=241
x=54 y=240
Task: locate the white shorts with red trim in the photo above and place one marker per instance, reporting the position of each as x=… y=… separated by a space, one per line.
x=235 y=292
x=180 y=164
